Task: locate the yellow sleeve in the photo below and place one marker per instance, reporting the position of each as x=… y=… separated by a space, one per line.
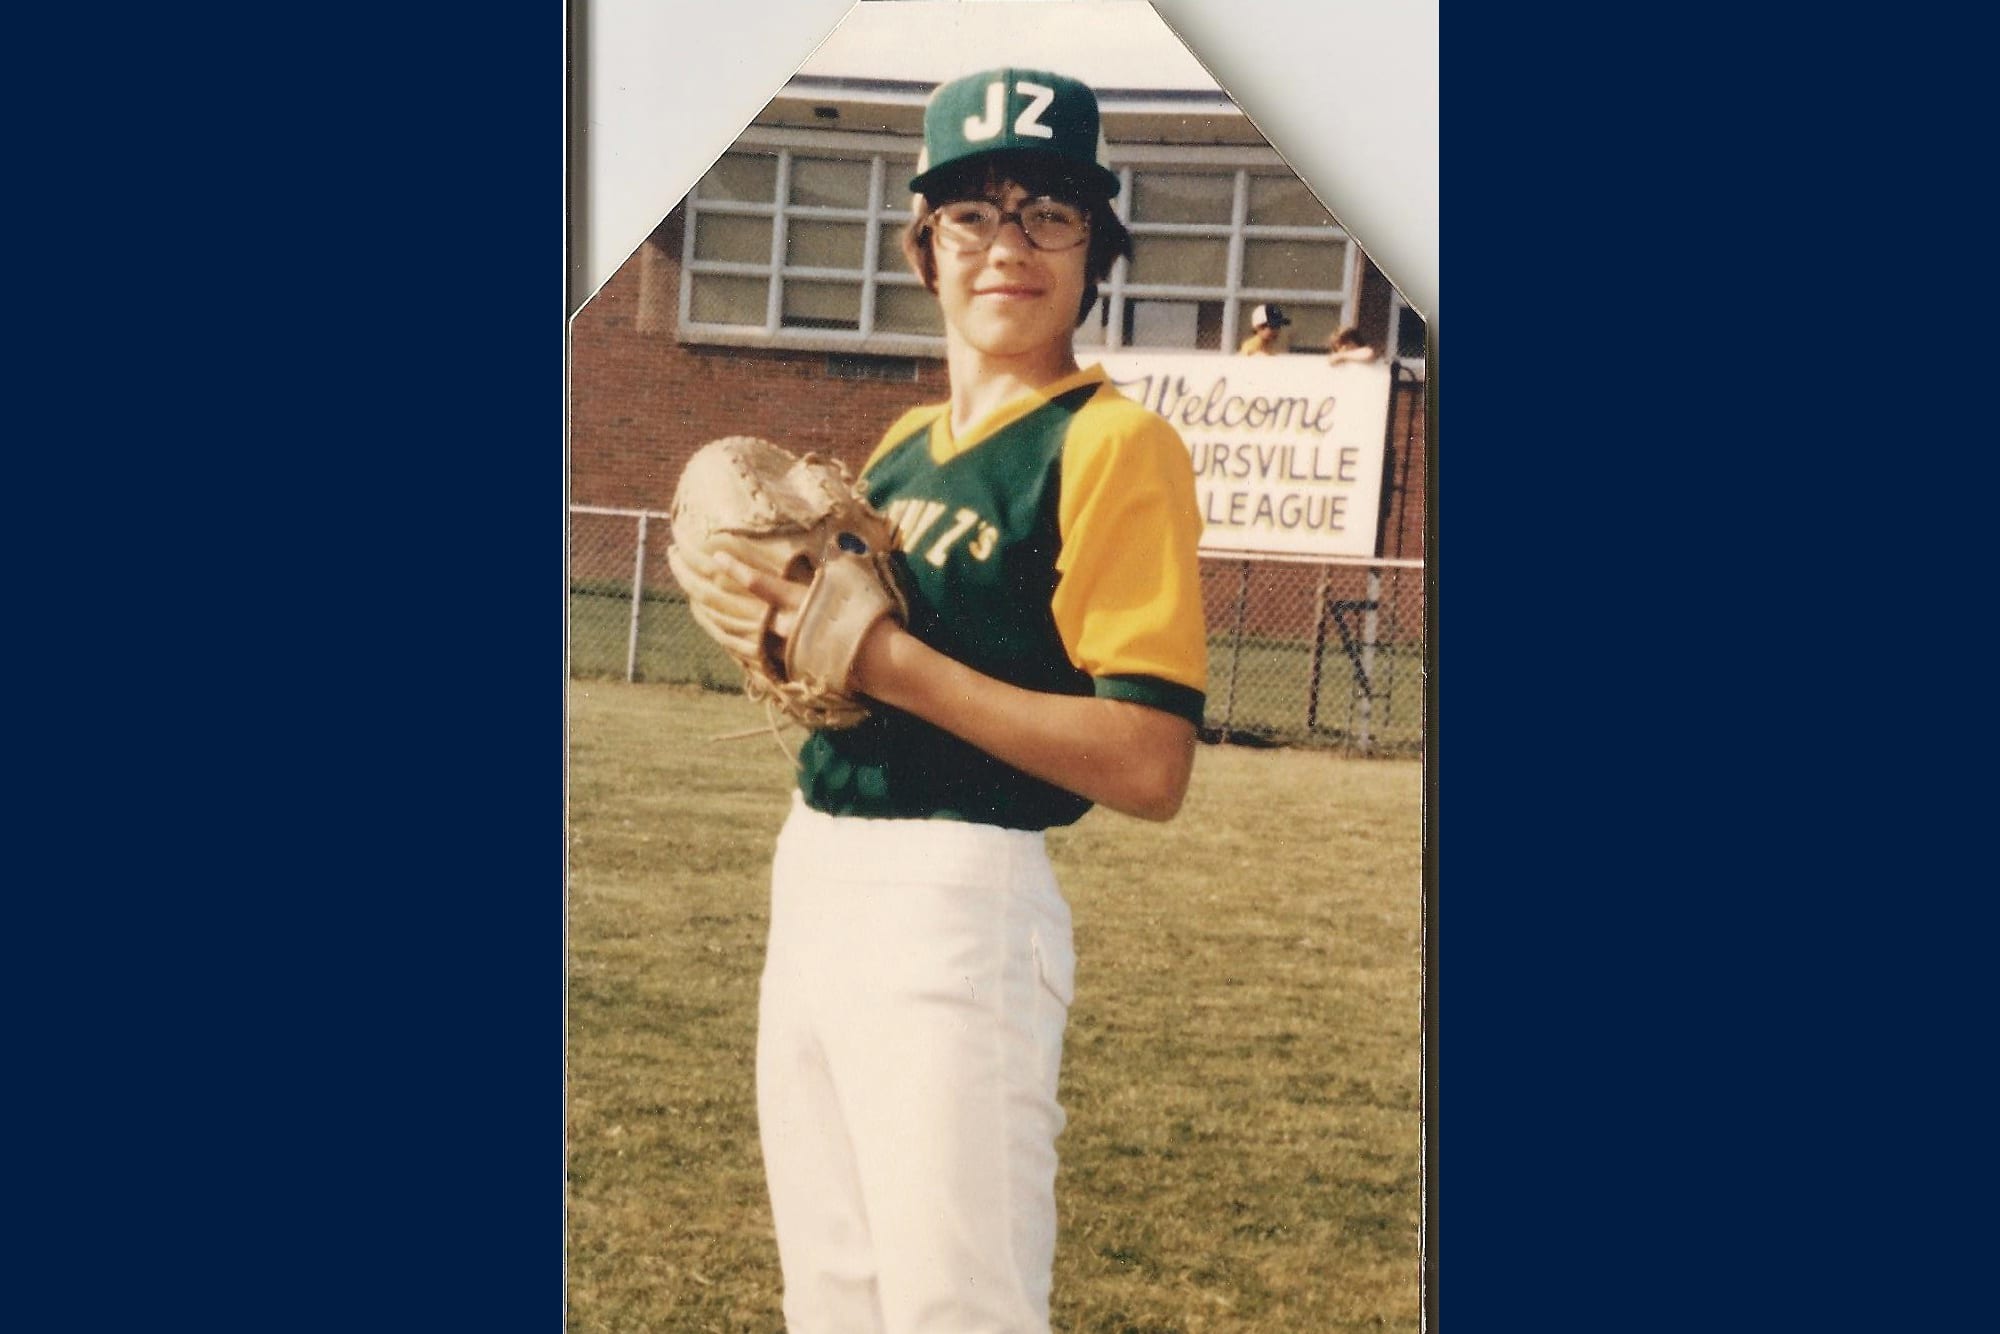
x=1128 y=604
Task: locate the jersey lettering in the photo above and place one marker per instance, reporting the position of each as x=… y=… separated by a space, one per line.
x=1029 y=121
x=916 y=520
x=942 y=547
x=912 y=517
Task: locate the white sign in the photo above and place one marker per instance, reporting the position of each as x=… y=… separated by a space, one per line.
x=1287 y=450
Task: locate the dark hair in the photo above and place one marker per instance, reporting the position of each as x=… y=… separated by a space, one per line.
x=1350 y=336
x=1038 y=175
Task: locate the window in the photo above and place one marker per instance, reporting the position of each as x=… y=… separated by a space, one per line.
x=799 y=246
x=1211 y=243
x=793 y=240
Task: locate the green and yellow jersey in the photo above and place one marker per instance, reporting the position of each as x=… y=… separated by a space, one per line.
x=1052 y=547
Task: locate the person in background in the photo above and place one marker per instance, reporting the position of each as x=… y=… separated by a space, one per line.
x=1266 y=323
x=1349 y=345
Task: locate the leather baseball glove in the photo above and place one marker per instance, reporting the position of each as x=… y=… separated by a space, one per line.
x=802 y=519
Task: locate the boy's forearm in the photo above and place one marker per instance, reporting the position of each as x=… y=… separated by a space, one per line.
x=1134 y=759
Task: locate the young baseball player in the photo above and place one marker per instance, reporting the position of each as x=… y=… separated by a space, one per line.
x=920 y=966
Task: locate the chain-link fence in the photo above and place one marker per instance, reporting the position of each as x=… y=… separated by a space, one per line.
x=1298 y=654
x=1316 y=654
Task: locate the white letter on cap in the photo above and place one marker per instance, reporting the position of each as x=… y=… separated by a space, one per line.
x=988 y=125
x=1030 y=119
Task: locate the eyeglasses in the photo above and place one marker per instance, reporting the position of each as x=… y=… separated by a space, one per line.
x=1049 y=224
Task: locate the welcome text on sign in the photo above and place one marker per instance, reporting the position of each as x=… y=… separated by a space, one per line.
x=1172 y=399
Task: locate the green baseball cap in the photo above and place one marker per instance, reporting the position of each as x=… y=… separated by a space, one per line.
x=1011 y=110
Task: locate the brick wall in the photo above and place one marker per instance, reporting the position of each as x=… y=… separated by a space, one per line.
x=641 y=402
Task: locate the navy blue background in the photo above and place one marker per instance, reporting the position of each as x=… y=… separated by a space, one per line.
x=1650 y=551
x=1597 y=1155
x=452 y=1076
x=289 y=933
x=424 y=1045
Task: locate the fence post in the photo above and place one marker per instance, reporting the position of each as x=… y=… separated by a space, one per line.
x=1368 y=631
x=638 y=589
x=1236 y=649
x=1318 y=654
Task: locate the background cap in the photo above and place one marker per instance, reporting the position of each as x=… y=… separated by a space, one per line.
x=1272 y=315
x=1011 y=111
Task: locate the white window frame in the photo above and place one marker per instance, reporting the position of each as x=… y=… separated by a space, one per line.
x=888 y=203
x=1233 y=294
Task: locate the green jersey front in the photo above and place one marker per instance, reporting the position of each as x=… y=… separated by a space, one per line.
x=1052 y=547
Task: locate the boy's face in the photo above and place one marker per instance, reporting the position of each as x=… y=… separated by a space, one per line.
x=1010 y=299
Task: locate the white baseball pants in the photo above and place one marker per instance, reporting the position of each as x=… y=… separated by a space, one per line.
x=915 y=989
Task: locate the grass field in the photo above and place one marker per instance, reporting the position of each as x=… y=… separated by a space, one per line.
x=1241 y=1068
